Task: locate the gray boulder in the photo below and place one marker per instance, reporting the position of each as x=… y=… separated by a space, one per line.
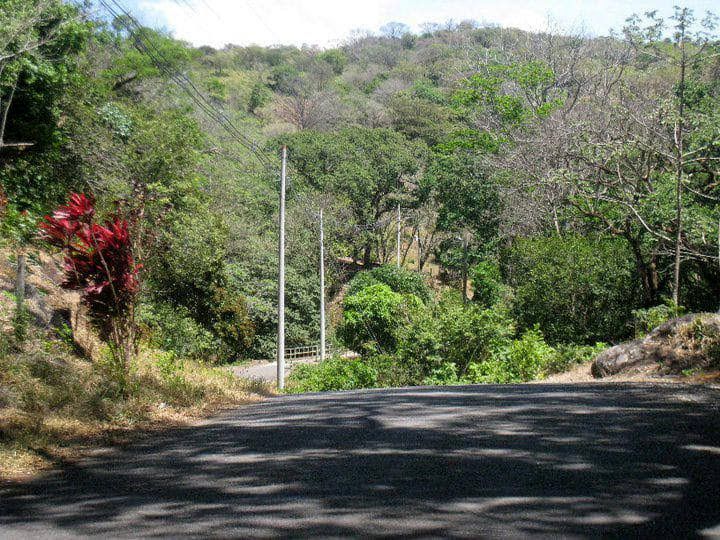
x=668 y=344
x=620 y=358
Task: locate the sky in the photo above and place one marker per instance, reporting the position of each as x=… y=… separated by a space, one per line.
x=328 y=23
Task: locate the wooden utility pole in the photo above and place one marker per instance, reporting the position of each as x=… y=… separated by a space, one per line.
x=281 y=279
x=399 y=225
x=322 y=287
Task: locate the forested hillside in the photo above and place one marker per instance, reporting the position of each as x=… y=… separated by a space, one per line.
x=572 y=181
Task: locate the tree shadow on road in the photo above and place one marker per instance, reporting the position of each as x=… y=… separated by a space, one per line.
x=592 y=460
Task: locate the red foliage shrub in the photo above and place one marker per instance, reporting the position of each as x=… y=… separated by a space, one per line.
x=99 y=258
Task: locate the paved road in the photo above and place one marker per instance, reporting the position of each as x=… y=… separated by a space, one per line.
x=267 y=371
x=543 y=460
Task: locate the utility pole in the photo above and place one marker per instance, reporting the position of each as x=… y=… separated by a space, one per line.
x=465 y=268
x=322 y=287
x=399 y=218
x=281 y=279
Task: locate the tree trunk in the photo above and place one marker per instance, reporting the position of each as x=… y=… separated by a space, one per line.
x=647 y=271
x=366 y=255
x=679 y=172
x=4 y=110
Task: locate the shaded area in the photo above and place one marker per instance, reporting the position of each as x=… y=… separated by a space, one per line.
x=592 y=460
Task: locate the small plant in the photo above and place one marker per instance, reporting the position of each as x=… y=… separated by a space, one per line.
x=447 y=374
x=646 y=320
x=65 y=334
x=333 y=374
x=118 y=380
x=21 y=323
x=168 y=364
x=179 y=390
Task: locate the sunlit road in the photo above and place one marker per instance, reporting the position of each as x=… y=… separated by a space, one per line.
x=515 y=461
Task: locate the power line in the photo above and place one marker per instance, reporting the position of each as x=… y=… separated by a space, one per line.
x=147 y=47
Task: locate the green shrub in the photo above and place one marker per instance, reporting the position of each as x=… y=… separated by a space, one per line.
x=171 y=328
x=419 y=347
x=390 y=370
x=333 y=374
x=571 y=355
x=445 y=374
x=399 y=280
x=372 y=318
x=579 y=290
x=493 y=371
x=470 y=333
x=21 y=323
x=259 y=97
x=487 y=284
x=177 y=389
x=525 y=359
x=646 y=320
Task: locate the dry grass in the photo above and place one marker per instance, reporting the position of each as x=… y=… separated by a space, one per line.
x=59 y=393
x=55 y=406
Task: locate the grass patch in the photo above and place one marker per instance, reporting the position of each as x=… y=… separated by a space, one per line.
x=54 y=405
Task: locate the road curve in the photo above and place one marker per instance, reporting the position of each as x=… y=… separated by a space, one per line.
x=481 y=461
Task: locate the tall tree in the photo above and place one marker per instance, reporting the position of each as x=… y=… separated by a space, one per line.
x=689 y=48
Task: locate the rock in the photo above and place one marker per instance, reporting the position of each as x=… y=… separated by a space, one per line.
x=620 y=358
x=675 y=345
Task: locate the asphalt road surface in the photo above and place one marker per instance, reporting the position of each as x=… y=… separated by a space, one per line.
x=266 y=371
x=630 y=461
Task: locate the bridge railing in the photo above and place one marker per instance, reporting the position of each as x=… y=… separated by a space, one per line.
x=312 y=352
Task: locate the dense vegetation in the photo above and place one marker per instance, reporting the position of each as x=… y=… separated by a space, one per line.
x=572 y=181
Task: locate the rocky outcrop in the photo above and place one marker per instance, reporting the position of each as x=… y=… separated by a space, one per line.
x=692 y=341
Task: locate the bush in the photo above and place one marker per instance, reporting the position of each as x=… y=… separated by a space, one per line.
x=21 y=323
x=579 y=290
x=420 y=347
x=172 y=329
x=333 y=374
x=470 y=333
x=444 y=375
x=398 y=279
x=487 y=284
x=571 y=355
x=372 y=318
x=390 y=370
x=177 y=389
x=646 y=320
x=525 y=359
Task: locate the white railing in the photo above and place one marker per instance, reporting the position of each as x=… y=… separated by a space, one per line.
x=312 y=352
x=302 y=353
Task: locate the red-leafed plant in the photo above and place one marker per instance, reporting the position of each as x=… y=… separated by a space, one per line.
x=99 y=263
